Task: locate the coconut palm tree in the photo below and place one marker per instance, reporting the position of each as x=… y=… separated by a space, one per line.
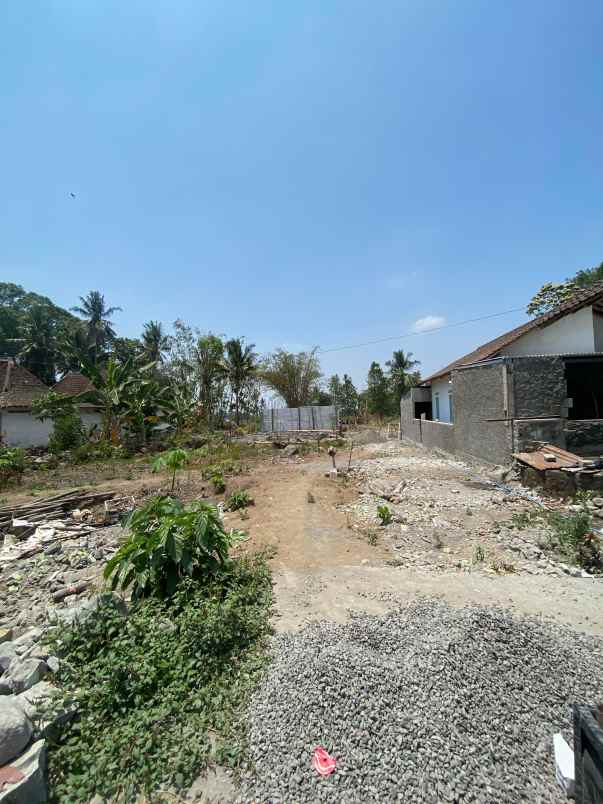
x=154 y=341
x=240 y=366
x=400 y=371
x=98 y=318
x=38 y=344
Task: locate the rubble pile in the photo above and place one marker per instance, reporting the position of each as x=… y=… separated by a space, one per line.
x=429 y=704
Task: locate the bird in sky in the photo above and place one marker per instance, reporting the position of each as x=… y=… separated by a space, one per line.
x=72 y=195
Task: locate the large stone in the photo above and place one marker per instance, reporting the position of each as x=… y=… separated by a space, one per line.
x=15 y=729
x=6 y=634
x=31 y=787
x=41 y=703
x=290 y=450
x=559 y=482
x=7 y=654
x=88 y=608
x=24 y=673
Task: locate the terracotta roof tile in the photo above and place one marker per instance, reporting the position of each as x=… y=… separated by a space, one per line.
x=72 y=384
x=493 y=348
x=18 y=386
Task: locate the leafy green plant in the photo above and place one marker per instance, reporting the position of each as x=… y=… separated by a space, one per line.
x=157 y=689
x=98 y=451
x=385 y=515
x=67 y=431
x=173 y=461
x=12 y=465
x=167 y=543
x=240 y=498
x=217 y=481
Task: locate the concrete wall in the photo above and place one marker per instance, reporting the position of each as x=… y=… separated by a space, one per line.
x=572 y=333
x=91 y=419
x=20 y=429
x=441 y=388
x=539 y=387
x=438 y=435
x=479 y=400
x=312 y=417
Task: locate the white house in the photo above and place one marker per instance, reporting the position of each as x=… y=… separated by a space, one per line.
x=18 y=389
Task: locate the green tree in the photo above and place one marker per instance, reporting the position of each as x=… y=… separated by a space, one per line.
x=400 y=373
x=379 y=399
x=335 y=387
x=154 y=342
x=123 y=349
x=98 y=319
x=240 y=367
x=38 y=343
x=553 y=294
x=294 y=377
x=349 y=405
x=211 y=374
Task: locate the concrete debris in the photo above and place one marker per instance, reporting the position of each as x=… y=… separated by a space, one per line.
x=15 y=729
x=30 y=770
x=414 y=708
x=290 y=450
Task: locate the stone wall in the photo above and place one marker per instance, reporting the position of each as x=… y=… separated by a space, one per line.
x=479 y=403
x=538 y=387
x=528 y=431
x=583 y=432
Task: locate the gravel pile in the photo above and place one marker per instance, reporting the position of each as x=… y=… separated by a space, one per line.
x=428 y=704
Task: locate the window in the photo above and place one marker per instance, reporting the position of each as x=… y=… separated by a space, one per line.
x=437 y=407
x=451 y=406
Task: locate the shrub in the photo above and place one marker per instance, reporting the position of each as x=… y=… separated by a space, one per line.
x=572 y=534
x=67 y=433
x=98 y=451
x=153 y=687
x=384 y=514
x=12 y=465
x=167 y=543
x=239 y=499
x=217 y=480
x=173 y=461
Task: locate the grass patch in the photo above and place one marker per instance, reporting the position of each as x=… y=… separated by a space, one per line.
x=152 y=687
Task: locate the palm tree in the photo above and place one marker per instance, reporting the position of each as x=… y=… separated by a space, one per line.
x=400 y=370
x=38 y=344
x=154 y=341
x=98 y=317
x=240 y=366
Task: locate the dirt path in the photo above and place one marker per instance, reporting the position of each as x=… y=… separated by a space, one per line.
x=324 y=570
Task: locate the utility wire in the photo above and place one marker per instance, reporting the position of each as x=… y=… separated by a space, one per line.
x=426 y=332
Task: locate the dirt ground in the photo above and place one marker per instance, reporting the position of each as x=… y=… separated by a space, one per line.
x=332 y=558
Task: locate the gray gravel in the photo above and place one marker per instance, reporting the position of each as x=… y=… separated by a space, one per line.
x=428 y=704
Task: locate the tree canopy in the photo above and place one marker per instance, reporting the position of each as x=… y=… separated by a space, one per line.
x=553 y=294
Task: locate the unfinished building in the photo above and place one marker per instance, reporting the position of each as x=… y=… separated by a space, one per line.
x=540 y=382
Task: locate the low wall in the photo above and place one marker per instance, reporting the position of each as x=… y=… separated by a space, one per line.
x=528 y=431
x=437 y=434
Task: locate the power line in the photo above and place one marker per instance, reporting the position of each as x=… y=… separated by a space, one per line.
x=427 y=332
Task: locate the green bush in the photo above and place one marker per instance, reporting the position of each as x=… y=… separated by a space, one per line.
x=218 y=482
x=173 y=461
x=571 y=534
x=384 y=514
x=167 y=543
x=101 y=451
x=67 y=433
x=153 y=687
x=12 y=465
x=239 y=499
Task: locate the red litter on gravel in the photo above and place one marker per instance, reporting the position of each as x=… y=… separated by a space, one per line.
x=323 y=762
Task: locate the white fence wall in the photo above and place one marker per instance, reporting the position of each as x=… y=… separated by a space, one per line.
x=312 y=417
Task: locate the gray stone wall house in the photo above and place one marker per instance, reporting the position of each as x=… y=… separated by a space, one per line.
x=542 y=381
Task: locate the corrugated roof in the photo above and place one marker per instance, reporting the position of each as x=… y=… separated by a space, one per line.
x=18 y=386
x=493 y=348
x=73 y=384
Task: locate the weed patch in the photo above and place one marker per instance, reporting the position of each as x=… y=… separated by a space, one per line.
x=151 y=687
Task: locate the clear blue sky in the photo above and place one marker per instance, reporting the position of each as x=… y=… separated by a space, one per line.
x=303 y=173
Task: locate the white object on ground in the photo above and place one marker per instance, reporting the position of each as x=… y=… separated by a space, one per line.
x=564 y=764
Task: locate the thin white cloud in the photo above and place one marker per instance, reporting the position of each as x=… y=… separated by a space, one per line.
x=428 y=323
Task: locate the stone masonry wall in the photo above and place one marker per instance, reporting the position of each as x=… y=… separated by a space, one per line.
x=584 y=432
x=539 y=387
x=479 y=404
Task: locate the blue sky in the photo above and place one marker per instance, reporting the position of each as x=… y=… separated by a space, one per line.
x=313 y=173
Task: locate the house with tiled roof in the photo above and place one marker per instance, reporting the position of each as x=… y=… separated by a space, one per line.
x=542 y=381
x=19 y=388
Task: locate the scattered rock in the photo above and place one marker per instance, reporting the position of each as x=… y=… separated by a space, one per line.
x=31 y=786
x=15 y=729
x=290 y=450
x=7 y=654
x=311 y=498
x=86 y=609
x=6 y=634
x=23 y=674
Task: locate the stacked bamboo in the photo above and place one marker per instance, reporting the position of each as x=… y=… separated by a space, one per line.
x=56 y=507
